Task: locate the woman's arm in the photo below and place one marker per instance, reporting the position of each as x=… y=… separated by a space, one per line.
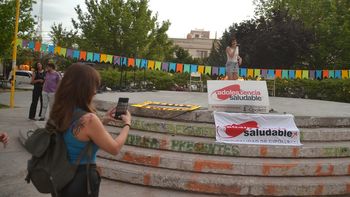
x=101 y=137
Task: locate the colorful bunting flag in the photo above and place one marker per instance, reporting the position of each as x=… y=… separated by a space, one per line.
x=344 y=74
x=96 y=57
x=337 y=74
x=325 y=74
x=138 y=63
x=208 y=70
x=57 y=50
x=103 y=58
x=222 y=71
x=109 y=59
x=298 y=74
x=305 y=74
x=318 y=74
x=257 y=73
x=331 y=74
x=201 y=69
x=243 y=72
x=131 y=62
x=25 y=43
x=165 y=66
x=143 y=63
x=194 y=68
x=279 y=73
x=63 y=52
x=51 y=49
x=187 y=68
x=271 y=74
x=264 y=73
x=124 y=61
x=31 y=45
x=37 y=46
x=215 y=71
x=250 y=73
x=179 y=68
x=291 y=74
x=172 y=67
x=83 y=56
x=43 y=48
x=158 y=65
x=19 y=42
x=116 y=60
x=76 y=54
x=284 y=74
x=69 y=53
x=312 y=74
x=89 y=56
x=151 y=64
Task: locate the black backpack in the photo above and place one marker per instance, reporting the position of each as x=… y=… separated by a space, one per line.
x=49 y=168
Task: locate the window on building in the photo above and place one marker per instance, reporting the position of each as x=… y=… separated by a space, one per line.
x=196 y=35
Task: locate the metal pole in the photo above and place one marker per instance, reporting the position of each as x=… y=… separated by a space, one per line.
x=14 y=57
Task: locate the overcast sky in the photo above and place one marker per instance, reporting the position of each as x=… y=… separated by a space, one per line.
x=184 y=15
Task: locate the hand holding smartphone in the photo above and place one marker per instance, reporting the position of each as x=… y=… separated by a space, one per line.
x=121 y=108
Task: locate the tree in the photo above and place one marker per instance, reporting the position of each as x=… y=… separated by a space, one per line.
x=62 y=37
x=328 y=20
x=122 y=27
x=271 y=41
x=7 y=24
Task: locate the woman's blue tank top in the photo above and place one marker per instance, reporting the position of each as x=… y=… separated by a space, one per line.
x=75 y=146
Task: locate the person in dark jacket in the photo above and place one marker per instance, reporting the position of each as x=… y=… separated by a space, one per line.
x=38 y=79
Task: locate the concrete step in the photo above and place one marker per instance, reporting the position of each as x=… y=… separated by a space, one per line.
x=208 y=130
x=206 y=116
x=225 y=184
x=231 y=165
x=208 y=146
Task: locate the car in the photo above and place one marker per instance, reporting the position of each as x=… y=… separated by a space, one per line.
x=22 y=77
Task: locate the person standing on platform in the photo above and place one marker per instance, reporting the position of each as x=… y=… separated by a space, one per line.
x=38 y=78
x=233 y=60
x=52 y=78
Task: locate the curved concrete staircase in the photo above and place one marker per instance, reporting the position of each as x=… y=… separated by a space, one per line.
x=178 y=151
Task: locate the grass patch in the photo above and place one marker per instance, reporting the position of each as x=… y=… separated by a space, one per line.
x=2 y=106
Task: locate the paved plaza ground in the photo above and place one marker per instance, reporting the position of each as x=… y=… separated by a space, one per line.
x=13 y=158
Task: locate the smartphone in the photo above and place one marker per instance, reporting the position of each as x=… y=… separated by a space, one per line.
x=121 y=108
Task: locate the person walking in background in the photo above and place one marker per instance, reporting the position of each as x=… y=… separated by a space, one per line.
x=75 y=92
x=233 y=60
x=38 y=78
x=52 y=78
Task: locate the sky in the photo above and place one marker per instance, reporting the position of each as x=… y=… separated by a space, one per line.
x=185 y=15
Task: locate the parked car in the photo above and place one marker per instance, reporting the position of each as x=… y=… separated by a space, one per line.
x=22 y=77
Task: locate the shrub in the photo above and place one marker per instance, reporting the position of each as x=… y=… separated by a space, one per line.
x=327 y=89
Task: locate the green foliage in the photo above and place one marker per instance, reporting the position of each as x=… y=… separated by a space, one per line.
x=183 y=56
x=275 y=40
x=327 y=89
x=122 y=27
x=329 y=20
x=7 y=24
x=158 y=79
x=62 y=37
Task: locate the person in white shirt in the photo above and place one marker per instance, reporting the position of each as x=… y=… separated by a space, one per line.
x=233 y=60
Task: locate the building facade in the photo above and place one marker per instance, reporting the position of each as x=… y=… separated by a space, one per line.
x=197 y=43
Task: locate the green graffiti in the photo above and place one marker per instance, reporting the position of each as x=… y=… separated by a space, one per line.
x=143 y=141
x=205 y=148
x=337 y=152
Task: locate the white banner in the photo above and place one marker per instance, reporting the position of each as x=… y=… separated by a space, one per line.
x=238 y=96
x=270 y=129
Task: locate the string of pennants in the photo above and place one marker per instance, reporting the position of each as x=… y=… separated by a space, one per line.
x=179 y=67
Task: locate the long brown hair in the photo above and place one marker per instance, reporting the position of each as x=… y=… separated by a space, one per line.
x=76 y=90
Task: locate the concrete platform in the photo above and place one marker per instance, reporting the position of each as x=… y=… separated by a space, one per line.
x=297 y=107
